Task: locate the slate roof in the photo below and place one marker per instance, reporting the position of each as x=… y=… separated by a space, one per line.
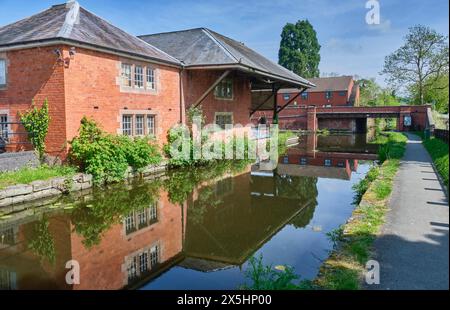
x=202 y=47
x=73 y=23
x=340 y=83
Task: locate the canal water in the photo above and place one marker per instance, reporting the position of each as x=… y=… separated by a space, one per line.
x=190 y=229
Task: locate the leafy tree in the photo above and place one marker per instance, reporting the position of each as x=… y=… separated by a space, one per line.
x=369 y=92
x=36 y=122
x=373 y=94
x=421 y=61
x=436 y=92
x=300 y=49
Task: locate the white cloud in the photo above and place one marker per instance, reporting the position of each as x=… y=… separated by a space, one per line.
x=383 y=27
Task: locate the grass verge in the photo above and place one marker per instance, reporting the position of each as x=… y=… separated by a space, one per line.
x=28 y=175
x=438 y=150
x=353 y=241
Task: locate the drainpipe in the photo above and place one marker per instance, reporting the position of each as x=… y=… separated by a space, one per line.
x=182 y=103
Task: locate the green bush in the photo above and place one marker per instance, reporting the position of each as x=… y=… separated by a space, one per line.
x=438 y=150
x=182 y=136
x=266 y=277
x=107 y=157
x=36 y=122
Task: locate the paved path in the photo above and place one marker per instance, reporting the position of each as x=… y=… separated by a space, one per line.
x=413 y=249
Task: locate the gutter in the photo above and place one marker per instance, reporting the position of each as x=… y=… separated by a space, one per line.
x=249 y=69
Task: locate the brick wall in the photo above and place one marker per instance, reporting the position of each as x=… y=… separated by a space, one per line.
x=34 y=74
x=87 y=86
x=92 y=83
x=196 y=82
x=104 y=266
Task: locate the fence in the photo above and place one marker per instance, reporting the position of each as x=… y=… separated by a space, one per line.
x=12 y=134
x=441 y=134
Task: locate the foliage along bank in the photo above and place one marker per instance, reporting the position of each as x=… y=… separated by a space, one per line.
x=353 y=241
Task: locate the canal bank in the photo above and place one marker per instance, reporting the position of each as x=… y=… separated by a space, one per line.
x=353 y=242
x=413 y=247
x=193 y=228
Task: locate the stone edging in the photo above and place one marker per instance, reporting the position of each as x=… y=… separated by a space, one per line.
x=43 y=189
x=22 y=193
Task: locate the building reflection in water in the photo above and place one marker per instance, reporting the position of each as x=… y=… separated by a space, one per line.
x=126 y=236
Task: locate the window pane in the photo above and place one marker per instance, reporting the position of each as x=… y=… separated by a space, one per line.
x=138 y=77
x=151 y=125
x=2 y=72
x=224 y=90
x=143 y=262
x=139 y=130
x=142 y=218
x=224 y=119
x=132 y=269
x=154 y=256
x=150 y=78
x=126 y=75
x=127 y=121
x=4 y=126
x=153 y=213
x=129 y=223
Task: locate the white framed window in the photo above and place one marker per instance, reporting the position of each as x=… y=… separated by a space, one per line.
x=127 y=125
x=329 y=95
x=139 y=128
x=4 y=127
x=143 y=262
x=153 y=213
x=138 y=123
x=224 y=90
x=2 y=72
x=154 y=256
x=151 y=125
x=132 y=269
x=224 y=118
x=141 y=219
x=126 y=75
x=150 y=77
x=138 y=77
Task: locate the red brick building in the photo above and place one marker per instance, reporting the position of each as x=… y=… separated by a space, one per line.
x=329 y=92
x=134 y=86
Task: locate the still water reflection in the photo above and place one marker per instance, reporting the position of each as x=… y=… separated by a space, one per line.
x=193 y=229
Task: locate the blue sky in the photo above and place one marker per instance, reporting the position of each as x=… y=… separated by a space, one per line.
x=349 y=45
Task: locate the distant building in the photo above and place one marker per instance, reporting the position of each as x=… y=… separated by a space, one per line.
x=329 y=92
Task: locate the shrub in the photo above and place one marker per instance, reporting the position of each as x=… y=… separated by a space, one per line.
x=180 y=140
x=140 y=152
x=36 y=122
x=107 y=157
x=438 y=150
x=266 y=277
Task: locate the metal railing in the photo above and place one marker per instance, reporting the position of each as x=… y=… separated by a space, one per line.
x=441 y=134
x=12 y=133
